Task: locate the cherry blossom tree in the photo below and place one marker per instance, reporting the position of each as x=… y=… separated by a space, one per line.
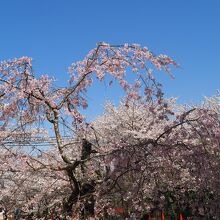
x=213 y=102
x=162 y=156
x=146 y=154
x=32 y=108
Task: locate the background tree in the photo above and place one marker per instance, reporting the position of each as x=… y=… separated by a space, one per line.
x=163 y=156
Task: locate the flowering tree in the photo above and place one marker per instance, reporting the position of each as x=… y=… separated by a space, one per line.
x=31 y=107
x=213 y=103
x=147 y=153
x=162 y=156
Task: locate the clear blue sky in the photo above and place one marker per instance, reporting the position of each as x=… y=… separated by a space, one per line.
x=57 y=32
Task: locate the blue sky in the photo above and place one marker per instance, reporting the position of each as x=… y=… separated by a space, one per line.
x=57 y=32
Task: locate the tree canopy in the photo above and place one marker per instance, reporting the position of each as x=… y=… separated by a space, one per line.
x=147 y=153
